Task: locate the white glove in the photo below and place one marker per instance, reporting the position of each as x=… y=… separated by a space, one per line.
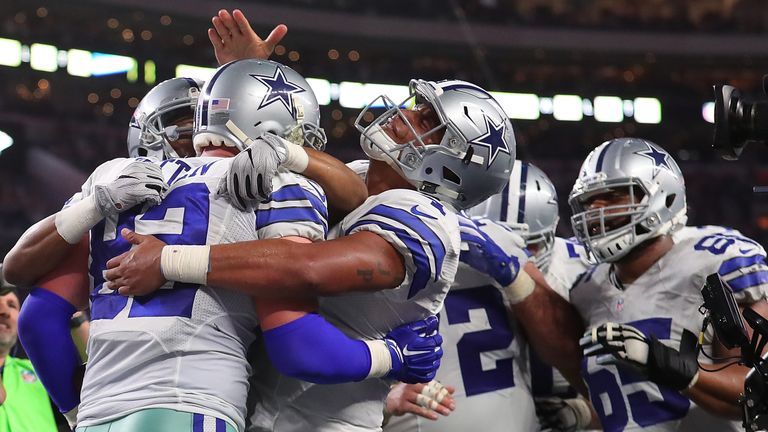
x=565 y=415
x=623 y=344
x=249 y=179
x=139 y=182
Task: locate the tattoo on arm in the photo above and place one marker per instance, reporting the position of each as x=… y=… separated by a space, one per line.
x=365 y=274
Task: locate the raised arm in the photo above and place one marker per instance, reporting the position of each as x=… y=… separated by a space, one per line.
x=233 y=38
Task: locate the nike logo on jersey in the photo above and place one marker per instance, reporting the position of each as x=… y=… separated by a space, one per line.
x=415 y=210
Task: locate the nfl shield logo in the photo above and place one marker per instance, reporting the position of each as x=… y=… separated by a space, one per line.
x=620 y=304
x=28 y=376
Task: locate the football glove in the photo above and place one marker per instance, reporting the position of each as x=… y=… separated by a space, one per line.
x=416 y=350
x=485 y=256
x=563 y=415
x=622 y=344
x=139 y=182
x=249 y=179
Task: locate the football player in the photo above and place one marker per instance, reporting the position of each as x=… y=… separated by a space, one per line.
x=529 y=206
x=642 y=301
x=399 y=250
x=501 y=389
x=142 y=337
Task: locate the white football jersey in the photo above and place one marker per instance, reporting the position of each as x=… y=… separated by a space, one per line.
x=483 y=351
x=184 y=346
x=427 y=236
x=569 y=260
x=664 y=301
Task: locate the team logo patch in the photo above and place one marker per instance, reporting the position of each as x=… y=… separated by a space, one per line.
x=620 y=305
x=280 y=90
x=28 y=377
x=493 y=139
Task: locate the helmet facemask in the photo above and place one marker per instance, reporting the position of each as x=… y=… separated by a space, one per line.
x=610 y=232
x=157 y=131
x=407 y=158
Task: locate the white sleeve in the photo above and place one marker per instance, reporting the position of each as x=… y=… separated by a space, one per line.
x=297 y=207
x=424 y=232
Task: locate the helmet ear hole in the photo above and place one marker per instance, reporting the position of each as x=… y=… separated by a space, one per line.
x=142 y=151
x=451 y=176
x=670 y=200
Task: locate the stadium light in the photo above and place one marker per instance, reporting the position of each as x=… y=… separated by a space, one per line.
x=647 y=110
x=322 y=90
x=199 y=72
x=524 y=106
x=79 y=63
x=44 y=57
x=608 y=109
x=708 y=112
x=567 y=108
x=358 y=95
x=110 y=64
x=10 y=52
x=5 y=141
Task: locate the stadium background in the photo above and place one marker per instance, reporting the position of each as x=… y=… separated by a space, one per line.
x=574 y=73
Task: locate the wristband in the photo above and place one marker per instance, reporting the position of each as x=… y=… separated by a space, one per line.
x=381 y=359
x=74 y=221
x=296 y=158
x=185 y=263
x=520 y=288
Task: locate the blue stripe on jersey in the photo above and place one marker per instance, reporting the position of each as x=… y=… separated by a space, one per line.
x=748 y=280
x=421 y=275
x=739 y=262
x=521 y=202
x=419 y=227
x=289 y=214
x=296 y=192
x=197 y=422
x=221 y=426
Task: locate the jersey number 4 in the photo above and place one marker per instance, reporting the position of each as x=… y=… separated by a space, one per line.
x=182 y=218
x=490 y=342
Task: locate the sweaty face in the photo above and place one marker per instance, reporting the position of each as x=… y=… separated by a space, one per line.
x=422 y=118
x=616 y=202
x=9 y=316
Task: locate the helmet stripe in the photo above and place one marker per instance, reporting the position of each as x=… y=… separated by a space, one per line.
x=207 y=93
x=600 y=157
x=521 y=203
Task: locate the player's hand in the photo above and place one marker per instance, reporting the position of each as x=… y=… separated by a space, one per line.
x=416 y=350
x=136 y=272
x=623 y=344
x=233 y=38
x=425 y=400
x=485 y=256
x=566 y=415
x=249 y=179
x=138 y=182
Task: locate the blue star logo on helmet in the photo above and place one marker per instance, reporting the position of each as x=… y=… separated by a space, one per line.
x=659 y=158
x=493 y=139
x=280 y=89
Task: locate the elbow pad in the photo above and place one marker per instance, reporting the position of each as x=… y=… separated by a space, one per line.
x=45 y=335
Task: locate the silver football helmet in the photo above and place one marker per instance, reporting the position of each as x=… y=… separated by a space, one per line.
x=472 y=161
x=656 y=191
x=246 y=98
x=151 y=131
x=527 y=205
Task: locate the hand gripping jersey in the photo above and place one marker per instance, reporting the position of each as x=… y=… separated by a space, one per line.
x=484 y=354
x=184 y=346
x=569 y=260
x=663 y=301
x=427 y=236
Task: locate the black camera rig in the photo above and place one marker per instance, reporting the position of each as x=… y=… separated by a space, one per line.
x=722 y=312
